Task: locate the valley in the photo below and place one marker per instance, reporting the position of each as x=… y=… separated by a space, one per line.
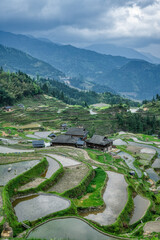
x=92 y=183
x=81 y=68
x=79 y=120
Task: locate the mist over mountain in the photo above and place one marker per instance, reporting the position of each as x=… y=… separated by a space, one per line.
x=69 y=59
x=131 y=77
x=116 y=50
x=154 y=59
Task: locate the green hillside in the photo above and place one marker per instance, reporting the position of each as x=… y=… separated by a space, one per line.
x=130 y=77
x=73 y=96
x=15 y=86
x=14 y=60
x=71 y=60
x=138 y=77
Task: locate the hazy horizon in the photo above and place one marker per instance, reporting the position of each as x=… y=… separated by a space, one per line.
x=128 y=23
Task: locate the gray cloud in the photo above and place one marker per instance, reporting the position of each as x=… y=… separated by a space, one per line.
x=130 y=22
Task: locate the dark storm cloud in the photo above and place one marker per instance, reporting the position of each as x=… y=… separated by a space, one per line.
x=84 y=21
x=48 y=14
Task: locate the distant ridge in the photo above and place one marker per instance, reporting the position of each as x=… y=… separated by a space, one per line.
x=116 y=50
x=130 y=77
x=14 y=60
x=70 y=60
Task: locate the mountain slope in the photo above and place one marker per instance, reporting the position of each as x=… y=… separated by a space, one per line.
x=15 y=86
x=137 y=78
x=154 y=59
x=71 y=60
x=115 y=50
x=15 y=60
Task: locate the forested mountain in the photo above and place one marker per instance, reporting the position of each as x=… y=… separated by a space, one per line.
x=71 y=60
x=15 y=86
x=14 y=60
x=136 y=77
x=84 y=98
x=132 y=78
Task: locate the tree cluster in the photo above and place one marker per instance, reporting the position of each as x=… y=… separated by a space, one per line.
x=73 y=96
x=15 y=86
x=138 y=123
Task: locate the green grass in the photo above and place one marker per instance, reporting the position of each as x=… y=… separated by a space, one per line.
x=147 y=138
x=40 y=112
x=100 y=156
x=1 y=210
x=94 y=190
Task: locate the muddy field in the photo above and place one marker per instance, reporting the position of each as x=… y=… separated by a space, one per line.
x=72 y=177
x=31 y=184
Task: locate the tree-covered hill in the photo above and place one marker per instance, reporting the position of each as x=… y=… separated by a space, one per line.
x=15 y=86
x=137 y=76
x=73 y=96
x=128 y=76
x=69 y=59
x=14 y=60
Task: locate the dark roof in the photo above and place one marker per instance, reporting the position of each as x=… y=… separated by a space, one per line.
x=76 y=132
x=65 y=139
x=100 y=140
x=38 y=143
x=51 y=135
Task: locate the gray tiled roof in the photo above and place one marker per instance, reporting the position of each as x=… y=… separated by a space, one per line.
x=76 y=131
x=100 y=140
x=65 y=139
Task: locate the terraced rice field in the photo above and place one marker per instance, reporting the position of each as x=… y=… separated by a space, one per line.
x=68 y=228
x=115 y=198
x=36 y=206
x=140 y=207
x=65 y=161
x=10 y=171
x=71 y=178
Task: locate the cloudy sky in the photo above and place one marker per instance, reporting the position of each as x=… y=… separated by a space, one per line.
x=132 y=23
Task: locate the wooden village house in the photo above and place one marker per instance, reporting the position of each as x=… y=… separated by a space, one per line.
x=99 y=142
x=68 y=140
x=77 y=132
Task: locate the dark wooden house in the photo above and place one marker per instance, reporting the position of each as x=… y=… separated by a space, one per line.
x=67 y=140
x=38 y=143
x=77 y=132
x=99 y=142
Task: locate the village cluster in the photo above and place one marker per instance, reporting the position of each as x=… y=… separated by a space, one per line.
x=77 y=137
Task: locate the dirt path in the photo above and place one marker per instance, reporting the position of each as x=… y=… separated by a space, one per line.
x=75 y=152
x=72 y=177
